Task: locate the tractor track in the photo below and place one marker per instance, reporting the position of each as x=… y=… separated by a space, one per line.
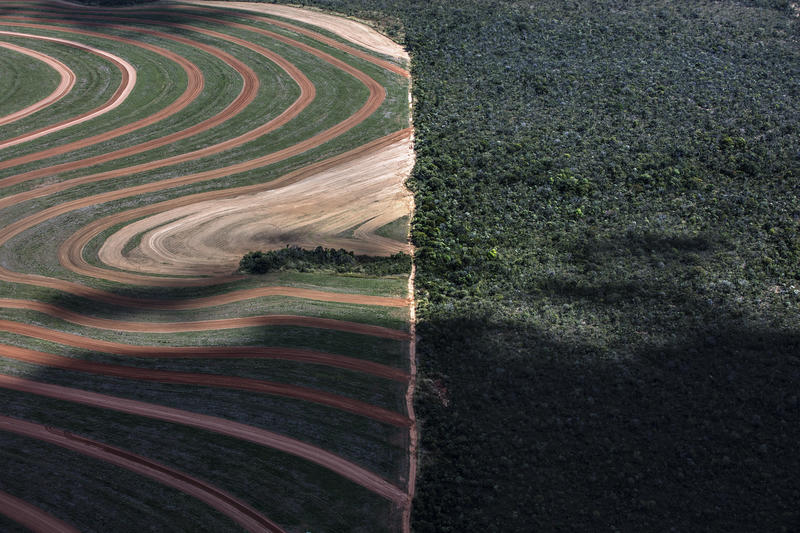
x=70 y=255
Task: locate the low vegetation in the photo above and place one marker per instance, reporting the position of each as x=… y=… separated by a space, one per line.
x=607 y=262
x=341 y=260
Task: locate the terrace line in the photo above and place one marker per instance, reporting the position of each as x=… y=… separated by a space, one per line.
x=65 y=85
x=343 y=467
x=126 y=87
x=220 y=500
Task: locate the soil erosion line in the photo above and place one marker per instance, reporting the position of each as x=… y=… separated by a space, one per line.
x=207 y=380
x=220 y=500
x=31 y=517
x=343 y=467
x=124 y=90
x=63 y=88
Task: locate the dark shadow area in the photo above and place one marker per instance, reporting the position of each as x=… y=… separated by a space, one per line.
x=696 y=435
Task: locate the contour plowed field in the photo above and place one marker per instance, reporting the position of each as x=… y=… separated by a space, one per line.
x=143 y=380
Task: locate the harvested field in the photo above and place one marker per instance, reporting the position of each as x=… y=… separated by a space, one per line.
x=131 y=350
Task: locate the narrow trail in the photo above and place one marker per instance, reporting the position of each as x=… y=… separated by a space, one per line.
x=204 y=325
x=70 y=252
x=208 y=380
x=31 y=516
x=194 y=87
x=205 y=352
x=242 y=513
x=124 y=90
x=65 y=85
x=246 y=96
x=351 y=471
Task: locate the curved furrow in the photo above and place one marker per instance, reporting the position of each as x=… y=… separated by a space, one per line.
x=205 y=352
x=328 y=460
x=211 y=9
x=123 y=91
x=194 y=88
x=248 y=94
x=333 y=43
x=70 y=256
x=203 y=325
x=207 y=380
x=31 y=516
x=65 y=85
x=225 y=503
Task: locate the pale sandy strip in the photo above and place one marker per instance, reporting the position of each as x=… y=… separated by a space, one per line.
x=110 y=106
x=31 y=516
x=65 y=84
x=353 y=31
x=343 y=467
x=250 y=519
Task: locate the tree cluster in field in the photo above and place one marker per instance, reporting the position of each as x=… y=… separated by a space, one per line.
x=608 y=263
x=341 y=260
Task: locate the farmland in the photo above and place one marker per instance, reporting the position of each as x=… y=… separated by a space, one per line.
x=145 y=382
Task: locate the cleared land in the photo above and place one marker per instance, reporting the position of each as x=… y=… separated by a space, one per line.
x=128 y=341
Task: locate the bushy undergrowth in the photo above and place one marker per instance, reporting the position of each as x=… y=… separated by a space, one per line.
x=341 y=260
x=608 y=263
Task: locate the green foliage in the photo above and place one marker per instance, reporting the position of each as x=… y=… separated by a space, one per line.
x=628 y=359
x=341 y=260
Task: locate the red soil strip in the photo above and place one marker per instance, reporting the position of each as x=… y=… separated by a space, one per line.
x=205 y=325
x=240 y=512
x=208 y=380
x=351 y=471
x=206 y=352
x=31 y=517
x=314 y=35
x=124 y=90
x=248 y=93
x=64 y=86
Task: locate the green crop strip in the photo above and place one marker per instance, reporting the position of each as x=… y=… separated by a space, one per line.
x=24 y=81
x=287 y=489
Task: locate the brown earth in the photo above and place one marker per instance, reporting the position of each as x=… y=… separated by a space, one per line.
x=220 y=500
x=290 y=187
x=205 y=352
x=65 y=85
x=124 y=90
x=353 y=472
x=207 y=380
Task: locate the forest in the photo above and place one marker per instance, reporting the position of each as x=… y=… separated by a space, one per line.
x=608 y=262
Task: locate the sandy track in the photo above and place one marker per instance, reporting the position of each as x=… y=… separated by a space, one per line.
x=375 y=99
x=243 y=514
x=248 y=93
x=210 y=237
x=193 y=89
x=349 y=29
x=67 y=254
x=124 y=90
x=206 y=352
x=205 y=325
x=343 y=467
x=208 y=380
x=71 y=251
x=31 y=517
x=65 y=85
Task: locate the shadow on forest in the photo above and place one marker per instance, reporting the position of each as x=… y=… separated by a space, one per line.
x=690 y=425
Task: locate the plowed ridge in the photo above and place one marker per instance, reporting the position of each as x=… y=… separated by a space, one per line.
x=188 y=226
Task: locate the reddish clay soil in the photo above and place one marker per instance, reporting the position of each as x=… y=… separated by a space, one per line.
x=220 y=500
x=207 y=380
x=65 y=85
x=206 y=352
x=316 y=455
x=31 y=517
x=205 y=325
x=70 y=253
x=124 y=90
